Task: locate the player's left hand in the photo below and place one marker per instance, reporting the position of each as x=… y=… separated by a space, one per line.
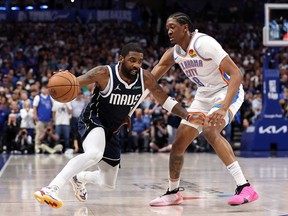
x=126 y=121
x=217 y=117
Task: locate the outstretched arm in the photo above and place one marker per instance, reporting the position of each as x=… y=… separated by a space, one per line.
x=167 y=102
x=165 y=63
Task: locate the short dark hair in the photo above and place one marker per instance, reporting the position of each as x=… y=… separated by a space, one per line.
x=131 y=47
x=182 y=18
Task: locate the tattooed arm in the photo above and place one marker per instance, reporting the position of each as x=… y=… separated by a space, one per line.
x=98 y=75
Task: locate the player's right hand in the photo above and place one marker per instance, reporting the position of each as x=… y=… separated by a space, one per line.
x=197 y=119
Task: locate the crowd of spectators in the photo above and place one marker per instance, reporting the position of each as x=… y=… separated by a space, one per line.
x=31 y=52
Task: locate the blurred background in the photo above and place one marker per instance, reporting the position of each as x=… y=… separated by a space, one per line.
x=40 y=37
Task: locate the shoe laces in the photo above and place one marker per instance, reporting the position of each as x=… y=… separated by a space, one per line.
x=76 y=181
x=79 y=185
x=82 y=190
x=51 y=189
x=240 y=188
x=176 y=190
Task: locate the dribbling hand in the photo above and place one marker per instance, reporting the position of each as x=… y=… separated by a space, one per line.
x=126 y=121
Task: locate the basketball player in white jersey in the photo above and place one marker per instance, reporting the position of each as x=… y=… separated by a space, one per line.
x=117 y=90
x=218 y=97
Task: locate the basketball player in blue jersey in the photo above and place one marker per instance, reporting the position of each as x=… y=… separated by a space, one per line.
x=117 y=90
x=219 y=95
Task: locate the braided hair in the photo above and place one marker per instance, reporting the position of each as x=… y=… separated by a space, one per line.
x=182 y=18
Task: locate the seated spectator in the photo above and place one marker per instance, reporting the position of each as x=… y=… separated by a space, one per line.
x=155 y=109
x=3 y=118
x=24 y=142
x=246 y=108
x=257 y=105
x=159 y=136
x=139 y=134
x=246 y=123
x=11 y=131
x=49 y=141
x=284 y=102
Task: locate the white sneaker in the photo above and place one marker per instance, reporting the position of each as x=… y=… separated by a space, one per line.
x=79 y=189
x=169 y=198
x=48 y=195
x=69 y=153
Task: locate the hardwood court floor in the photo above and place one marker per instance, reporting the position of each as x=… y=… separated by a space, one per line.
x=143 y=177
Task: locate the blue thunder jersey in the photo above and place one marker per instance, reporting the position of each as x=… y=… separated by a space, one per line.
x=110 y=107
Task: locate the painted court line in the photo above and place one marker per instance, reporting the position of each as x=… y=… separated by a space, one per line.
x=5 y=165
x=206 y=197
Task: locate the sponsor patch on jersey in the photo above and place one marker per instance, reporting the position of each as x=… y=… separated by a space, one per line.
x=192 y=53
x=136 y=87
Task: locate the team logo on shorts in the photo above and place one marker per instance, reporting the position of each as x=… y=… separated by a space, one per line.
x=192 y=53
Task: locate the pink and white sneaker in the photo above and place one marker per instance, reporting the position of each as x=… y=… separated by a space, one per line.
x=169 y=198
x=243 y=194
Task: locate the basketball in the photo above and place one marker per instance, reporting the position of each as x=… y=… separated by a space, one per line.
x=63 y=86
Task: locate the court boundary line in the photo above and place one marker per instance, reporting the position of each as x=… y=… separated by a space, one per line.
x=5 y=165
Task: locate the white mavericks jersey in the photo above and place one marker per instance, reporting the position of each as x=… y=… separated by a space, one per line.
x=201 y=62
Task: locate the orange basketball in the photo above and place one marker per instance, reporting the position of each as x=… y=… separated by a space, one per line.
x=63 y=86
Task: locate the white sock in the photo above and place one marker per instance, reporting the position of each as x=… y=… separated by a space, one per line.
x=58 y=182
x=173 y=184
x=236 y=172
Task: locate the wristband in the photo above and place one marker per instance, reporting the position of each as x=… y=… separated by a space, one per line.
x=187 y=118
x=169 y=104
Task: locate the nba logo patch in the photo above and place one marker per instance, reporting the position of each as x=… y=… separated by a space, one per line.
x=192 y=53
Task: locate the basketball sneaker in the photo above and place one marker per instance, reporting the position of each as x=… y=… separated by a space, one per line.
x=243 y=194
x=48 y=195
x=79 y=189
x=169 y=198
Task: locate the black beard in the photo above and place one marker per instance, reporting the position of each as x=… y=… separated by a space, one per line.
x=126 y=72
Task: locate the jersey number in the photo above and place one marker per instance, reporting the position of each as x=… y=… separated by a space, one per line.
x=197 y=81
